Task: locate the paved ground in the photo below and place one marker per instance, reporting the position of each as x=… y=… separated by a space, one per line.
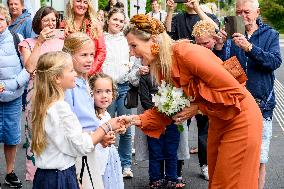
x=275 y=179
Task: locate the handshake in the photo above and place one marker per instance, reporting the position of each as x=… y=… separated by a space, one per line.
x=118 y=125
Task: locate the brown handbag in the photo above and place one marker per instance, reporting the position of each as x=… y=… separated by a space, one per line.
x=233 y=66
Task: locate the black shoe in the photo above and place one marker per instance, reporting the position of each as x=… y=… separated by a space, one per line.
x=13 y=181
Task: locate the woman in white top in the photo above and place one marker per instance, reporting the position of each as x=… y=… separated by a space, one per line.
x=57 y=137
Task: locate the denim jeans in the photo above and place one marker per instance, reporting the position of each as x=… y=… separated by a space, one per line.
x=164 y=148
x=117 y=108
x=10 y=121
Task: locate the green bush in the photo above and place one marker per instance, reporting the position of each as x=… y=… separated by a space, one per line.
x=273 y=11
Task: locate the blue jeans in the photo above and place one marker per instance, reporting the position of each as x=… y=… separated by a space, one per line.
x=125 y=140
x=10 y=121
x=164 y=148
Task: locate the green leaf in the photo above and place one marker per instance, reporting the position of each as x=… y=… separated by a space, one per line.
x=180 y=128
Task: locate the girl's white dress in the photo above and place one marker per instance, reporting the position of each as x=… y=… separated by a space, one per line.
x=110 y=165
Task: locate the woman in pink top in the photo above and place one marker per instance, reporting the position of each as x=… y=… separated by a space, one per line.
x=44 y=23
x=81 y=16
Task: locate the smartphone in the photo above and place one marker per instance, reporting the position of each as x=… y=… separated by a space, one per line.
x=180 y=1
x=234 y=24
x=58 y=33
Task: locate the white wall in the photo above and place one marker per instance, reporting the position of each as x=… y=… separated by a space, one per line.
x=133 y=9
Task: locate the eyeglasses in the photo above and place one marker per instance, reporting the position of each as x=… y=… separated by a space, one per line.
x=101 y=91
x=45 y=21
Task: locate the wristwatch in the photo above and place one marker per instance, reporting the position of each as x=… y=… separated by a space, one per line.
x=249 y=48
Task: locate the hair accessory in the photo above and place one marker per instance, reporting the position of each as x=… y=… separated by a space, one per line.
x=155 y=49
x=147 y=24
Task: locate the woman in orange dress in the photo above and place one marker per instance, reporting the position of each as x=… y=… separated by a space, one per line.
x=234 y=135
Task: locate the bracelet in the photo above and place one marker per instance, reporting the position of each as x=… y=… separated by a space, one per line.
x=109 y=126
x=106 y=130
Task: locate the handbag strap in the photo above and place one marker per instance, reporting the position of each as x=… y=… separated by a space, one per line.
x=85 y=162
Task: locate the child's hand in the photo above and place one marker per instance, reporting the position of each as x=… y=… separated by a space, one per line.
x=108 y=139
x=122 y=130
x=131 y=120
x=116 y=123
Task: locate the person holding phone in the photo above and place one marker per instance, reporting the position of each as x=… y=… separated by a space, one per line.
x=180 y=27
x=259 y=54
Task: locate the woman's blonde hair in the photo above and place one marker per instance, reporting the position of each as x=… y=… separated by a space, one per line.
x=203 y=28
x=145 y=27
x=75 y=41
x=91 y=15
x=5 y=12
x=46 y=91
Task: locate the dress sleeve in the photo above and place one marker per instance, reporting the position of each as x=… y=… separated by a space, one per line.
x=154 y=123
x=100 y=55
x=65 y=131
x=219 y=90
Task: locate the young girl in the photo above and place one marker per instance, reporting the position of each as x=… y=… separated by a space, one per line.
x=118 y=66
x=104 y=92
x=57 y=137
x=80 y=46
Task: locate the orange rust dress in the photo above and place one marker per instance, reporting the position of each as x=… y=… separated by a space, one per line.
x=235 y=121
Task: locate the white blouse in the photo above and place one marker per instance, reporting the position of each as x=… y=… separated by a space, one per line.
x=65 y=140
x=117 y=64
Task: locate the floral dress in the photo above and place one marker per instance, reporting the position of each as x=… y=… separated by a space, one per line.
x=47 y=46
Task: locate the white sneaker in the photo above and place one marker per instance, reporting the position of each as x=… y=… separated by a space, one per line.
x=127 y=173
x=204 y=172
x=133 y=152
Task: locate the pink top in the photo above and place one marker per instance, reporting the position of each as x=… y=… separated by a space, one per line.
x=48 y=46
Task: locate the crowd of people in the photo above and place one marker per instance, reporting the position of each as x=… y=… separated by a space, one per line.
x=71 y=78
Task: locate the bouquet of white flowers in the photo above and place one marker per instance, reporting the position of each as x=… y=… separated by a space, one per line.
x=170 y=100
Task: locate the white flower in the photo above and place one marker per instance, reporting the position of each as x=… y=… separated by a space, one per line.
x=170 y=100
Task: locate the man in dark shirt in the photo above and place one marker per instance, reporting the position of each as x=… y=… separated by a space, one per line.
x=180 y=27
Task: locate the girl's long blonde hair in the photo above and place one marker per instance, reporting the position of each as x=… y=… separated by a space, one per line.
x=46 y=91
x=91 y=15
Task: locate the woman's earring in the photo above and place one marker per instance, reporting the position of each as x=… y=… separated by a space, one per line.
x=155 y=49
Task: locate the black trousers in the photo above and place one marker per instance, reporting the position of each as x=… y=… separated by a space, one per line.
x=202 y=125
